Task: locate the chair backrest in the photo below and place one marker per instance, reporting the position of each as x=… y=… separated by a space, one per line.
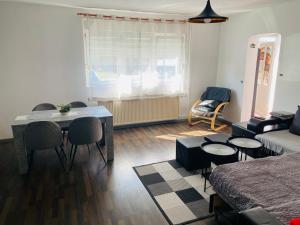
x=85 y=130
x=78 y=105
x=42 y=135
x=217 y=93
x=44 y=106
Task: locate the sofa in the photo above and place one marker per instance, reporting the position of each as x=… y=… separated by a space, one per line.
x=279 y=136
x=280 y=141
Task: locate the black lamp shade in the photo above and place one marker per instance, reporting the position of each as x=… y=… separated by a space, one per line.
x=208 y=15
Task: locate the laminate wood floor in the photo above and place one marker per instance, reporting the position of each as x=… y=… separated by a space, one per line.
x=91 y=194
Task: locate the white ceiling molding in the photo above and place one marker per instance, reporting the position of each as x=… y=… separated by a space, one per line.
x=179 y=7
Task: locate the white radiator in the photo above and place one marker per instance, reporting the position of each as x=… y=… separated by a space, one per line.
x=134 y=111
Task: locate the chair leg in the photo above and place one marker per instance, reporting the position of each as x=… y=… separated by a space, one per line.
x=216 y=128
x=63 y=135
x=59 y=158
x=196 y=122
x=99 y=148
x=205 y=172
x=30 y=159
x=63 y=151
x=88 y=146
x=71 y=151
x=73 y=157
x=190 y=118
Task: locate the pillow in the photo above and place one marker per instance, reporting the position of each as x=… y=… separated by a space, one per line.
x=295 y=127
x=212 y=104
x=295 y=221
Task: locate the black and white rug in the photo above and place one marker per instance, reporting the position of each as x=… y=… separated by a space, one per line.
x=178 y=193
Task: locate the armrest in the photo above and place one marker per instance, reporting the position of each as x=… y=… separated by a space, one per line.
x=271 y=124
x=219 y=108
x=190 y=115
x=257 y=216
x=196 y=103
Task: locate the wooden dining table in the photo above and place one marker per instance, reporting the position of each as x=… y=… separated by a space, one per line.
x=63 y=120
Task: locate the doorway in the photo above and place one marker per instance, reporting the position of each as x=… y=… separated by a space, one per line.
x=260 y=75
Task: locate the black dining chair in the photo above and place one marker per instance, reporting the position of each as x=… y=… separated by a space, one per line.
x=44 y=106
x=84 y=131
x=73 y=105
x=43 y=135
x=78 y=104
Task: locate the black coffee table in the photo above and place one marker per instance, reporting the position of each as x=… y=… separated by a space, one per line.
x=219 y=153
x=189 y=153
x=246 y=145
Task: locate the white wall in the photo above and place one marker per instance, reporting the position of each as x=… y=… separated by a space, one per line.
x=204 y=58
x=41 y=59
x=234 y=37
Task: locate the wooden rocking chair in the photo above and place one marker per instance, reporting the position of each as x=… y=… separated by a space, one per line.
x=210 y=107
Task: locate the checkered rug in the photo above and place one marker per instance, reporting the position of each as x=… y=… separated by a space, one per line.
x=178 y=193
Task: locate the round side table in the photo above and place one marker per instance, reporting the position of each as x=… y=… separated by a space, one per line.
x=245 y=145
x=219 y=153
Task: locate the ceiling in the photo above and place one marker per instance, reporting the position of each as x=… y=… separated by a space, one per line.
x=186 y=7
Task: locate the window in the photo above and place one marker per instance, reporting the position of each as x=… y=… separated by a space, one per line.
x=134 y=59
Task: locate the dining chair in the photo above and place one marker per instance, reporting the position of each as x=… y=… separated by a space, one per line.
x=85 y=131
x=43 y=135
x=44 y=106
x=78 y=104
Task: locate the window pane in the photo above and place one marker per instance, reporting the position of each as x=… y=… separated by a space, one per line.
x=135 y=59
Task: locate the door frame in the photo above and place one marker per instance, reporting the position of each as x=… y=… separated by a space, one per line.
x=251 y=72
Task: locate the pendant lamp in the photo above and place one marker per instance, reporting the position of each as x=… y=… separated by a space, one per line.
x=208 y=15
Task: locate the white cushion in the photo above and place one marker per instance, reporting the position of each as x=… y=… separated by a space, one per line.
x=203 y=111
x=206 y=102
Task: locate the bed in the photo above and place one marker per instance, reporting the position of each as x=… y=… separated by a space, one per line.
x=272 y=183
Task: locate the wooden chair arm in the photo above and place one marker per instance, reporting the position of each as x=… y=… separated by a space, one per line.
x=190 y=115
x=220 y=107
x=196 y=103
x=212 y=120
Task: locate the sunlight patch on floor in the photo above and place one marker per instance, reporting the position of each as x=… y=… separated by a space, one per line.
x=169 y=137
x=196 y=133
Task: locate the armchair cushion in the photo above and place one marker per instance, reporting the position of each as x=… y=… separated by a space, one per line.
x=212 y=104
x=295 y=221
x=203 y=111
x=295 y=127
x=217 y=93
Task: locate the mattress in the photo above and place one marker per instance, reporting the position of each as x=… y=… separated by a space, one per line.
x=272 y=183
x=280 y=142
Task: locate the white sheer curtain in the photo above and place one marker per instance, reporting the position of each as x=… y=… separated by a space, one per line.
x=128 y=59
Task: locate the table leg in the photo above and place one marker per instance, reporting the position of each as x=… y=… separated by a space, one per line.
x=205 y=172
x=109 y=141
x=20 y=149
x=211 y=203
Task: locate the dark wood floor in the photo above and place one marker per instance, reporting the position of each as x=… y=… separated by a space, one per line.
x=91 y=193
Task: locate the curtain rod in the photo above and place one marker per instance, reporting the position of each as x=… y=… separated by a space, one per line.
x=111 y=17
